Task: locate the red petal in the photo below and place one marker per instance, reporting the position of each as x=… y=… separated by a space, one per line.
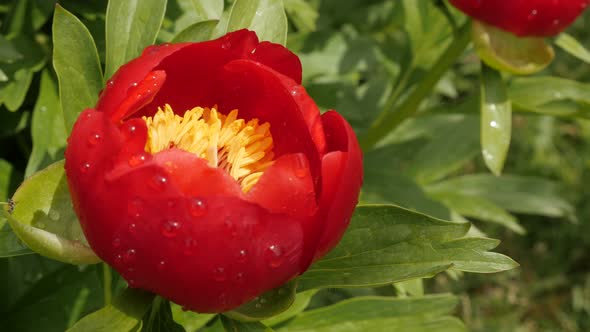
x=278 y=58
x=260 y=92
x=342 y=176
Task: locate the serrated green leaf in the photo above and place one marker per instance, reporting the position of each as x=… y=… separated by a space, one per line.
x=266 y=17
x=44 y=219
x=198 y=32
x=266 y=305
x=124 y=314
x=77 y=65
x=131 y=25
x=47 y=127
x=386 y=244
x=231 y=325
x=520 y=194
x=496 y=119
x=374 y=313
x=569 y=44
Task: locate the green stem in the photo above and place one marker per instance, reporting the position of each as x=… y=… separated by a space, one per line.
x=391 y=118
x=108 y=281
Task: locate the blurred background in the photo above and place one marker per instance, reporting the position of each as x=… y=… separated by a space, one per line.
x=359 y=57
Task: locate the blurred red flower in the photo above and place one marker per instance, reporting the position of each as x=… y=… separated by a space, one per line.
x=525 y=18
x=206 y=174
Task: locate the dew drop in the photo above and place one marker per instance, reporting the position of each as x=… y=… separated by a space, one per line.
x=135 y=207
x=494 y=124
x=134 y=84
x=94 y=139
x=85 y=167
x=532 y=15
x=226 y=45
x=219 y=274
x=294 y=92
x=198 y=207
x=130 y=130
x=129 y=256
x=137 y=159
x=274 y=256
x=159 y=182
x=239 y=276
x=242 y=255
x=43 y=109
x=170 y=228
x=118 y=258
x=189 y=246
x=258 y=305
x=132 y=283
x=111 y=83
x=161 y=265
x=556 y=22
x=39 y=224
x=54 y=215
x=262 y=300
x=116 y=242
x=132 y=228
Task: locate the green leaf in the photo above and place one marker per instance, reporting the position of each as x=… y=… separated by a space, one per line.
x=301 y=302
x=47 y=128
x=76 y=63
x=207 y=9
x=573 y=47
x=266 y=17
x=8 y=53
x=231 y=325
x=264 y=306
x=480 y=208
x=44 y=219
x=191 y=321
x=19 y=73
x=551 y=95
x=520 y=194
x=386 y=244
x=131 y=25
x=496 y=119
x=159 y=318
x=124 y=314
x=505 y=51
x=376 y=313
x=303 y=15
x=198 y=32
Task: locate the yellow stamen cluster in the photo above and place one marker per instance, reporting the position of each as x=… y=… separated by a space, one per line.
x=243 y=149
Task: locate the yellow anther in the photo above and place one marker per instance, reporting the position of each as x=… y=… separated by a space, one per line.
x=243 y=149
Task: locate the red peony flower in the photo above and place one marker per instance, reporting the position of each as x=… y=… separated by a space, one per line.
x=206 y=174
x=539 y=18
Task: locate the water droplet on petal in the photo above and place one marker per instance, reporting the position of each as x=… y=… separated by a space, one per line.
x=161 y=265
x=129 y=256
x=226 y=45
x=219 y=274
x=274 y=256
x=242 y=255
x=118 y=258
x=532 y=15
x=239 y=276
x=85 y=167
x=137 y=159
x=111 y=83
x=170 y=228
x=93 y=139
x=134 y=84
x=189 y=246
x=116 y=242
x=198 y=207
x=132 y=228
x=135 y=208
x=159 y=182
x=258 y=305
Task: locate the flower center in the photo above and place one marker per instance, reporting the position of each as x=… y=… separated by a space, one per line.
x=243 y=149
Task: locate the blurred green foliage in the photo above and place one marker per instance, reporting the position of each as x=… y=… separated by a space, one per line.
x=359 y=57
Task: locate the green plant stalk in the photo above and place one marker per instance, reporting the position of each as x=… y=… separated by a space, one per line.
x=390 y=119
x=108 y=281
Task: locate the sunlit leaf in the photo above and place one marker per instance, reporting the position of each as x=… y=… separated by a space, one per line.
x=198 y=32
x=496 y=119
x=76 y=63
x=44 y=219
x=569 y=44
x=131 y=25
x=266 y=17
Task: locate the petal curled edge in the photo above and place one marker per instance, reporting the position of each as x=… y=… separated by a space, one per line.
x=192 y=70
x=342 y=177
